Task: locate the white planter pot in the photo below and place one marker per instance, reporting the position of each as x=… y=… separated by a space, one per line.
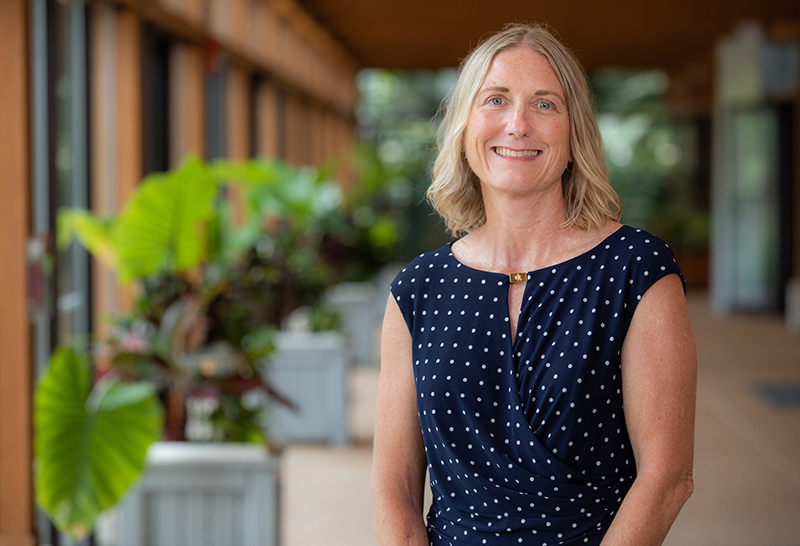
x=355 y=303
x=203 y=494
x=311 y=369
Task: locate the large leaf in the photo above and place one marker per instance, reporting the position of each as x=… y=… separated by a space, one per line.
x=91 y=231
x=90 y=443
x=161 y=228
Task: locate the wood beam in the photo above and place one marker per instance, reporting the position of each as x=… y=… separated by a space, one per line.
x=240 y=52
x=16 y=485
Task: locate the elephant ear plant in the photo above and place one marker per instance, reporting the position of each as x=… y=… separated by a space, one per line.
x=217 y=255
x=91 y=441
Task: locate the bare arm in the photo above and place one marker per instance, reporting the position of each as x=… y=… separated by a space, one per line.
x=659 y=378
x=398 y=473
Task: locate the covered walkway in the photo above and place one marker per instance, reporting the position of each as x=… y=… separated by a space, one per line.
x=747 y=461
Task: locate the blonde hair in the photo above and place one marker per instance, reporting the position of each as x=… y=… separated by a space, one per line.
x=455 y=193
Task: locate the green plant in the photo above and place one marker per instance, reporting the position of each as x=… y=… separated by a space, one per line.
x=219 y=255
x=214 y=276
x=90 y=441
x=369 y=230
x=160 y=230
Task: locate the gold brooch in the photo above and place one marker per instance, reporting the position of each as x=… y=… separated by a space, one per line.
x=517 y=277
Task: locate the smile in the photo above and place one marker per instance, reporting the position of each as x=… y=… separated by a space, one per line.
x=506 y=152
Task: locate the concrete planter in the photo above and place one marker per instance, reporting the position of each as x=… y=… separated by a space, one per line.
x=311 y=369
x=204 y=494
x=355 y=303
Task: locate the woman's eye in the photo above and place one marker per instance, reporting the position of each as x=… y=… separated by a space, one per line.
x=543 y=104
x=495 y=101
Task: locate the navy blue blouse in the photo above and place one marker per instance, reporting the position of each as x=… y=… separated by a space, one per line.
x=526 y=441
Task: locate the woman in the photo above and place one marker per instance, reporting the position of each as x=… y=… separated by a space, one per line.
x=506 y=355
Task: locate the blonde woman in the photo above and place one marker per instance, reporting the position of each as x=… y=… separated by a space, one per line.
x=506 y=355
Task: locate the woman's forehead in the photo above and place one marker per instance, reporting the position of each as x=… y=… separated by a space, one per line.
x=521 y=67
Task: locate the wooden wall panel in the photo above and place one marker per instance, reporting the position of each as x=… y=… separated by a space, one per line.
x=239 y=23
x=104 y=150
x=129 y=103
x=16 y=487
x=195 y=11
x=318 y=134
x=267 y=121
x=129 y=113
x=187 y=95
x=238 y=118
x=218 y=19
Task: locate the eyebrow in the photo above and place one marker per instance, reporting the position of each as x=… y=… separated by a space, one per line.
x=539 y=93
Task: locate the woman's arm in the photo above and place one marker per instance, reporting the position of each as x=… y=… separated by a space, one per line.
x=398 y=472
x=659 y=379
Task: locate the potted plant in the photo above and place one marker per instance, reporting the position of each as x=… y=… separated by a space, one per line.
x=311 y=366
x=366 y=236
x=90 y=440
x=213 y=278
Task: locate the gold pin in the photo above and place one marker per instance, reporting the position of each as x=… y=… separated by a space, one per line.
x=517 y=277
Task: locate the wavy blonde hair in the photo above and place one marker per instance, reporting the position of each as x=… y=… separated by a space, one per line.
x=455 y=192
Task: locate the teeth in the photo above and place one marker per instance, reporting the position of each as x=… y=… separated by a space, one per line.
x=505 y=152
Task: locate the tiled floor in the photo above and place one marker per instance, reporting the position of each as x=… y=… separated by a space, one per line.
x=747 y=461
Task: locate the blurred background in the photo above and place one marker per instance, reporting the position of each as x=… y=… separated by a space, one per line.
x=209 y=198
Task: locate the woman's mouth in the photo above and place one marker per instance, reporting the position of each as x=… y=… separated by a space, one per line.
x=508 y=152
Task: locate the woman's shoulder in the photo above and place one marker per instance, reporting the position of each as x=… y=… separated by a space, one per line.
x=635 y=240
x=644 y=255
x=435 y=259
x=642 y=241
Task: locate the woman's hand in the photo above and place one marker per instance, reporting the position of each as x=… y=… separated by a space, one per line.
x=398 y=473
x=659 y=382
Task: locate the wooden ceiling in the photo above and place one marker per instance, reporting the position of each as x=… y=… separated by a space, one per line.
x=419 y=34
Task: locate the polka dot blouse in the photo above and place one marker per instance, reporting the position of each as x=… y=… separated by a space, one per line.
x=526 y=441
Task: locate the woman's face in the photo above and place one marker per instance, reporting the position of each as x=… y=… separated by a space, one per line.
x=517 y=135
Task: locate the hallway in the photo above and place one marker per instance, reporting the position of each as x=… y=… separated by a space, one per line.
x=747 y=457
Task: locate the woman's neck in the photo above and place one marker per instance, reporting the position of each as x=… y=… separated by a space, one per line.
x=525 y=234
x=520 y=234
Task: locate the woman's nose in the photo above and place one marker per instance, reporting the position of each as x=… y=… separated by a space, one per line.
x=518 y=124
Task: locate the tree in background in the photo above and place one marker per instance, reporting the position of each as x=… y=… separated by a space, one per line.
x=651 y=157
x=397 y=119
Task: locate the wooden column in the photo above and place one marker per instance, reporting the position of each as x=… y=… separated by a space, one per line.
x=267 y=121
x=238 y=129
x=104 y=150
x=16 y=487
x=129 y=114
x=317 y=119
x=238 y=118
x=129 y=102
x=291 y=128
x=187 y=93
